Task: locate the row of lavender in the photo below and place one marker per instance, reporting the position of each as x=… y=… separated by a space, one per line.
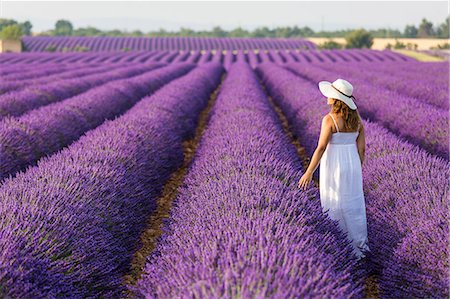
x=24 y=140
x=226 y=56
x=406 y=192
x=32 y=96
x=70 y=225
x=410 y=118
x=425 y=81
x=17 y=77
x=240 y=227
x=429 y=84
x=110 y=43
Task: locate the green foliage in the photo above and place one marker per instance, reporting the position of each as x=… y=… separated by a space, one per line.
x=13 y=32
x=399 y=45
x=443 y=46
x=63 y=28
x=330 y=44
x=26 y=27
x=443 y=31
x=137 y=33
x=238 y=32
x=425 y=29
x=359 y=38
x=410 y=31
x=6 y=22
x=87 y=31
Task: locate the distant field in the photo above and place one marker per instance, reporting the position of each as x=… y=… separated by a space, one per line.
x=380 y=43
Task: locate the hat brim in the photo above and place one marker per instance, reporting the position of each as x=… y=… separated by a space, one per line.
x=327 y=90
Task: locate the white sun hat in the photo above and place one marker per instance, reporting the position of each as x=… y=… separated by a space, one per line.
x=340 y=89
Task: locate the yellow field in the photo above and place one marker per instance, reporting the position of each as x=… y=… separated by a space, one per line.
x=418 y=56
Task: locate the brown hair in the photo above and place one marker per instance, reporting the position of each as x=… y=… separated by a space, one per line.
x=351 y=117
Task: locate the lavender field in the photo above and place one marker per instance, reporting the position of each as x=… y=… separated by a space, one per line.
x=172 y=172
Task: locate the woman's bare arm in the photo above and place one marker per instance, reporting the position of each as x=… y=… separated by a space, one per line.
x=361 y=143
x=325 y=136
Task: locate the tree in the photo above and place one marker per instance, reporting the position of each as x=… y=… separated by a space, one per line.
x=114 y=32
x=410 y=31
x=263 y=32
x=238 y=32
x=137 y=33
x=218 y=32
x=443 y=31
x=359 y=38
x=6 y=22
x=399 y=45
x=63 y=28
x=26 y=27
x=283 y=32
x=186 y=31
x=11 y=32
x=425 y=29
x=87 y=31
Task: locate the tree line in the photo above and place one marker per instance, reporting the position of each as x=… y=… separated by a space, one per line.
x=12 y=29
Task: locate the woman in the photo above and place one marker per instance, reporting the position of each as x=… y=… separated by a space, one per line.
x=340 y=152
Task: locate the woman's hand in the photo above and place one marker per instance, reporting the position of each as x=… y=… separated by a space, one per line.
x=305 y=180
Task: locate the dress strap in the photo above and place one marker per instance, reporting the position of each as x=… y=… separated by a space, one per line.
x=337 y=128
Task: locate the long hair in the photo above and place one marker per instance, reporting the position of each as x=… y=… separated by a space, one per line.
x=351 y=117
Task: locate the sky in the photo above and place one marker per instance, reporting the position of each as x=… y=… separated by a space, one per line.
x=204 y=15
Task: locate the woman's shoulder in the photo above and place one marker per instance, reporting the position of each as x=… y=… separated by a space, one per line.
x=326 y=118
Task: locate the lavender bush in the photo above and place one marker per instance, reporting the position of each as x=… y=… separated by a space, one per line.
x=240 y=227
x=18 y=80
x=25 y=139
x=70 y=225
x=406 y=192
x=432 y=90
x=419 y=123
x=109 y=43
x=16 y=103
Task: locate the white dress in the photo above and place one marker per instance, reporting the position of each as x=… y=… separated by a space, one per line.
x=341 y=190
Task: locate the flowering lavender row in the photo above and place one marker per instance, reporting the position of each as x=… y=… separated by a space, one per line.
x=251 y=56
x=44 y=70
x=440 y=70
x=23 y=71
x=70 y=225
x=71 y=57
x=25 y=139
x=240 y=227
x=16 y=103
x=420 y=123
x=406 y=192
x=109 y=43
x=19 y=81
x=434 y=91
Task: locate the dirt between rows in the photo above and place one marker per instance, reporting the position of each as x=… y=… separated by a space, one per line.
x=164 y=202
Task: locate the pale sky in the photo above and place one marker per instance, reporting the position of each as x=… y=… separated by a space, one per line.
x=204 y=15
